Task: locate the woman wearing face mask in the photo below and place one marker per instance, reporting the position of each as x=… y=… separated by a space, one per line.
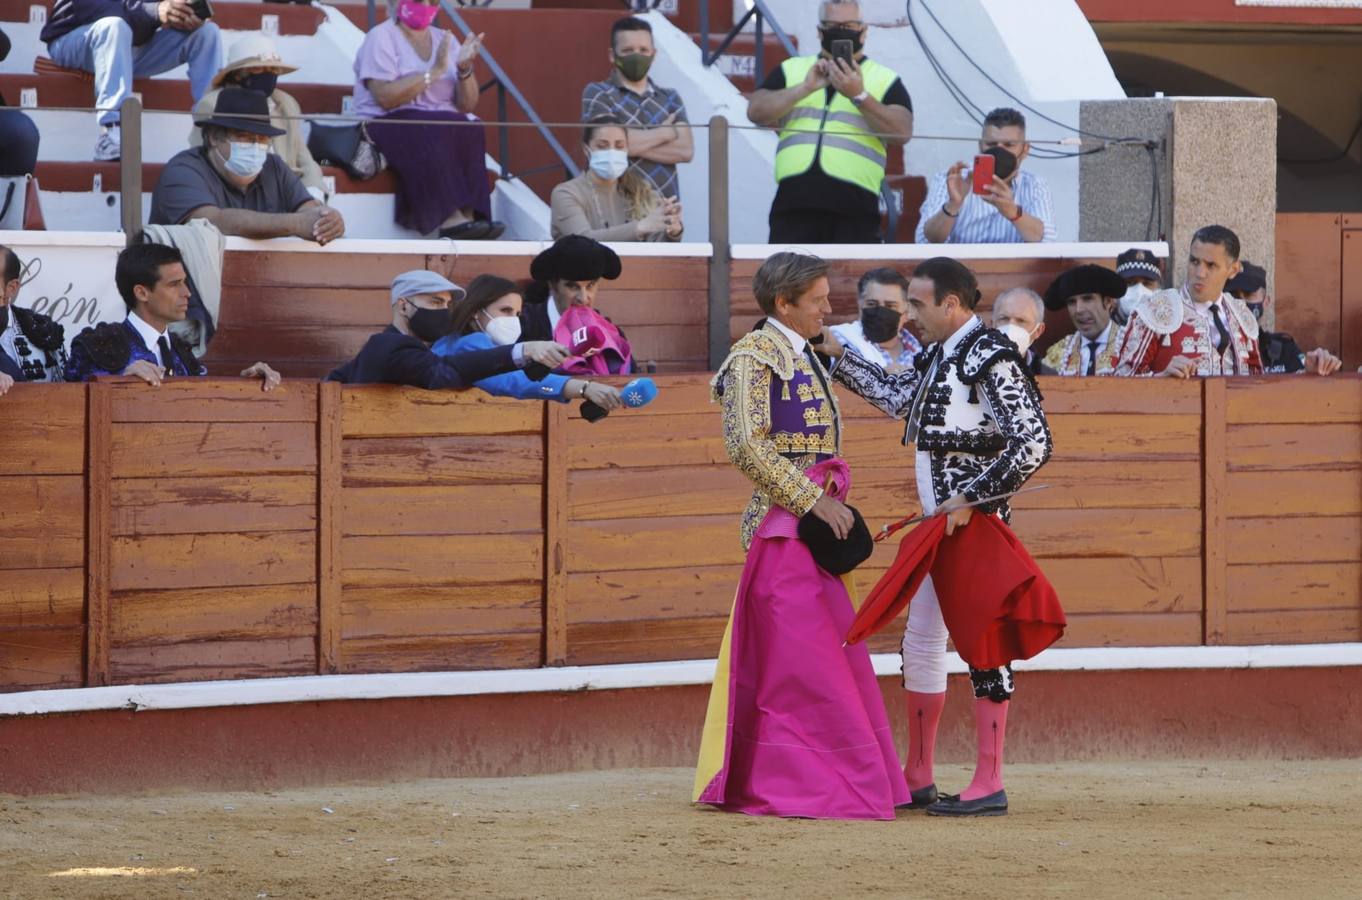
x=407 y=69
x=489 y=316
x=254 y=63
x=610 y=202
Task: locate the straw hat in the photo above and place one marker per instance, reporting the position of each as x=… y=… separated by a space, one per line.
x=254 y=51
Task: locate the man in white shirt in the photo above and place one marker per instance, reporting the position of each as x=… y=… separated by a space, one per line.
x=880 y=334
x=1090 y=293
x=1016 y=207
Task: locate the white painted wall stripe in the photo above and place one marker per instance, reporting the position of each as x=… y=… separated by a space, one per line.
x=317 y=688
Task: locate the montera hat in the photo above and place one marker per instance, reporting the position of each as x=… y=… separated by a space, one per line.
x=421 y=281
x=1252 y=278
x=254 y=51
x=1089 y=279
x=576 y=258
x=1138 y=262
x=242 y=110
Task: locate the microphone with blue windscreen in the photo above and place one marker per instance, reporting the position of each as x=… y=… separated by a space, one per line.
x=637 y=393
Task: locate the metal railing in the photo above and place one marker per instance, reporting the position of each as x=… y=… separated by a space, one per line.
x=759 y=14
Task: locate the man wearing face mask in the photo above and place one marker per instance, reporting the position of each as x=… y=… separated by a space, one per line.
x=1019 y=313
x=1016 y=207
x=879 y=334
x=254 y=63
x=1090 y=294
x=422 y=314
x=34 y=343
x=1143 y=275
x=1281 y=354
x=838 y=117
x=235 y=182
x=659 y=135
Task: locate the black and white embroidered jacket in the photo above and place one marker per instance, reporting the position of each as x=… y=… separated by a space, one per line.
x=36 y=343
x=982 y=430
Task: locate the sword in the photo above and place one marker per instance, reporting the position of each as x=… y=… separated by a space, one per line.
x=913 y=520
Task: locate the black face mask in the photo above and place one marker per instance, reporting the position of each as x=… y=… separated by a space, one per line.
x=431 y=324
x=1006 y=161
x=843 y=34
x=1255 y=308
x=260 y=82
x=880 y=324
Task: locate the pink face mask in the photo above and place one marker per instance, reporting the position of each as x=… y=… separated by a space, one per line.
x=417 y=15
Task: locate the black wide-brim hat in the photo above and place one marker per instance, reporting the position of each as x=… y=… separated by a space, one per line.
x=1089 y=279
x=1252 y=278
x=837 y=557
x=242 y=110
x=576 y=258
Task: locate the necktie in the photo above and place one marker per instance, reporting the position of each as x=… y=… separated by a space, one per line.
x=1092 y=359
x=1224 y=340
x=167 y=360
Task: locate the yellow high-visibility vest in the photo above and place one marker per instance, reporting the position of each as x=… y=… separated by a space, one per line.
x=833 y=132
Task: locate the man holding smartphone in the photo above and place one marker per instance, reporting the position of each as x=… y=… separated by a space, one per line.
x=1008 y=206
x=838 y=112
x=118 y=40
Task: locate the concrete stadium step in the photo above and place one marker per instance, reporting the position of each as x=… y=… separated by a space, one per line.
x=230 y=15
x=67 y=88
x=739 y=59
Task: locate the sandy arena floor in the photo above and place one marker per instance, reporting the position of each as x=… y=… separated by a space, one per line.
x=1196 y=830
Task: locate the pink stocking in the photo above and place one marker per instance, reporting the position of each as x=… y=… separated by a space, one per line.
x=924 y=715
x=990 y=720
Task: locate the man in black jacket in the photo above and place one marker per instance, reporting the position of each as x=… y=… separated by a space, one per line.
x=33 y=343
x=565 y=275
x=401 y=354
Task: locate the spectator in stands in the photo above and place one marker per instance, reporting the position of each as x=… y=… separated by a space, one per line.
x=837 y=118
x=1143 y=275
x=659 y=135
x=1090 y=293
x=1017 y=207
x=1199 y=329
x=18 y=134
x=118 y=40
x=880 y=334
x=152 y=281
x=565 y=275
x=1019 y=313
x=407 y=69
x=254 y=63
x=422 y=314
x=1280 y=352
x=235 y=182
x=488 y=316
x=33 y=342
x=610 y=201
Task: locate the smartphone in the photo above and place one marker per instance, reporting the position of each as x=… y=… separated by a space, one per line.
x=842 y=50
x=201 y=8
x=983 y=172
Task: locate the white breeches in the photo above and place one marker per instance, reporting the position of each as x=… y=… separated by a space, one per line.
x=924 y=643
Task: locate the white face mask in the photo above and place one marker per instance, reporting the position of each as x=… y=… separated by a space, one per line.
x=247 y=158
x=503 y=330
x=1018 y=335
x=1134 y=294
x=609 y=164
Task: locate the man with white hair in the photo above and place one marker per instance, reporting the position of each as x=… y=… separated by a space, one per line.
x=401 y=354
x=837 y=112
x=1019 y=313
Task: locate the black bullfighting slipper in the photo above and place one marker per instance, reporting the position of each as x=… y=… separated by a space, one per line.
x=922 y=797
x=992 y=805
x=475 y=230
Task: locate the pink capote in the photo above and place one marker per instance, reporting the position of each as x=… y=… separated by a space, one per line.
x=807 y=732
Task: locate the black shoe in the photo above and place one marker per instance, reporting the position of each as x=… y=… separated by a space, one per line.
x=992 y=805
x=922 y=797
x=466 y=231
x=494 y=230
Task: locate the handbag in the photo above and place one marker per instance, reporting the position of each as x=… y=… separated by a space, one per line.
x=347 y=147
x=20 y=208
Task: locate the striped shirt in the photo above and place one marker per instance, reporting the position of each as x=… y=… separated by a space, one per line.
x=651 y=108
x=980 y=223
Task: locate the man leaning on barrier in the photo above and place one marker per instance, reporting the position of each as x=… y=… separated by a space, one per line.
x=152 y=280
x=34 y=343
x=836 y=115
x=422 y=314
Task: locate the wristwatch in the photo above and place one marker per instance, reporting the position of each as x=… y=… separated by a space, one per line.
x=1020 y=212
x=860 y=98
x=426 y=76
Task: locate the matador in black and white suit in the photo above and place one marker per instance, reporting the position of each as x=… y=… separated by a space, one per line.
x=974 y=413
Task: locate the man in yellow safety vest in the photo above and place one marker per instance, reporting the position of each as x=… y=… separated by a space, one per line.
x=838 y=112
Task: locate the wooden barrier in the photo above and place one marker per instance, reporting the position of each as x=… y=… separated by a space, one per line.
x=208 y=530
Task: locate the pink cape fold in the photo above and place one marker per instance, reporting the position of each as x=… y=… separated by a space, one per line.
x=807 y=734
